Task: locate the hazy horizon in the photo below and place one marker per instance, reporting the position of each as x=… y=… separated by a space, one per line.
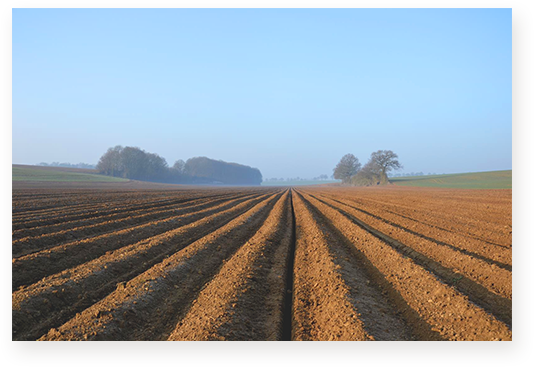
x=288 y=91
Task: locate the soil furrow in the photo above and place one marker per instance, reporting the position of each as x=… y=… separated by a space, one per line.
x=430 y=210
x=92 y=213
x=245 y=300
x=448 y=230
x=57 y=298
x=84 y=203
x=333 y=298
x=448 y=312
x=62 y=215
x=57 y=228
x=499 y=256
x=148 y=306
x=467 y=203
x=496 y=279
x=20 y=249
x=497 y=305
x=143 y=261
x=49 y=202
x=287 y=327
x=30 y=268
x=30 y=245
x=20 y=216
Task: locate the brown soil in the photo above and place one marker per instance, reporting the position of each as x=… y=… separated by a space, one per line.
x=134 y=220
x=167 y=262
x=446 y=312
x=244 y=301
x=483 y=282
x=333 y=299
x=146 y=306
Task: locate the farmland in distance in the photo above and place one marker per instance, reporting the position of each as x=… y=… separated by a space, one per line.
x=27 y=173
x=474 y=180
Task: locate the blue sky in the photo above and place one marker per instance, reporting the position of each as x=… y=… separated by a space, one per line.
x=288 y=91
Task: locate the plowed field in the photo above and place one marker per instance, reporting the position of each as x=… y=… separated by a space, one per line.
x=312 y=263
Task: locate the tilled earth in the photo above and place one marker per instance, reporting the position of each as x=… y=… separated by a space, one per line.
x=312 y=263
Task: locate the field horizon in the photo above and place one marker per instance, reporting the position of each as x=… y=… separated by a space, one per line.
x=501 y=179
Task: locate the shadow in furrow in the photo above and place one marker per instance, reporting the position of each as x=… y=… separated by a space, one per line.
x=441 y=243
x=419 y=329
x=498 y=306
x=288 y=299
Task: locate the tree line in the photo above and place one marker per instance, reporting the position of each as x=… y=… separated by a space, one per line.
x=134 y=163
x=375 y=172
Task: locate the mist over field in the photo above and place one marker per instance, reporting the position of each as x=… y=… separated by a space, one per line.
x=287 y=91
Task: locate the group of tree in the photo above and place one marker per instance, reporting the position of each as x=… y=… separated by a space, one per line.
x=68 y=165
x=134 y=163
x=375 y=172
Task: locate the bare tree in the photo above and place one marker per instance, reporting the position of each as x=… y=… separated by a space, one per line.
x=347 y=167
x=385 y=161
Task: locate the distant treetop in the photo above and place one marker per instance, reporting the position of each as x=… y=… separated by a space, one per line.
x=374 y=172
